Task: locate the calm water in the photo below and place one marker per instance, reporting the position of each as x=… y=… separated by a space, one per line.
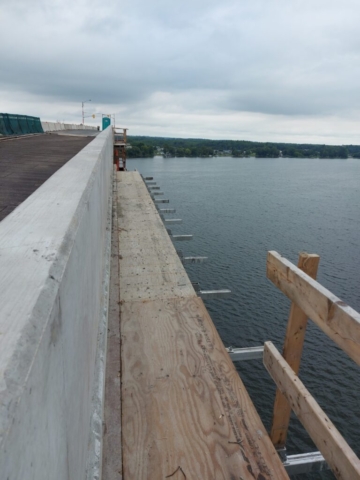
x=237 y=210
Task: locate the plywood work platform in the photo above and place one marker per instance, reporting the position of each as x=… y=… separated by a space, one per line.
x=185 y=411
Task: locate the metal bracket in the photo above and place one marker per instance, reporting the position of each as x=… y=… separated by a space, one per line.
x=154 y=188
x=181 y=237
x=305 y=463
x=160 y=200
x=206 y=294
x=190 y=259
x=172 y=221
x=193 y=259
x=148 y=178
x=166 y=210
x=248 y=353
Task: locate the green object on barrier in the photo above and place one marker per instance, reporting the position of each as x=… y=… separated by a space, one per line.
x=3 y=125
x=106 y=121
x=23 y=123
x=38 y=125
x=14 y=124
x=11 y=124
x=31 y=123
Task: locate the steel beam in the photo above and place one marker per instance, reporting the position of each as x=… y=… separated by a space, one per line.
x=305 y=463
x=172 y=221
x=248 y=353
x=149 y=178
x=193 y=259
x=181 y=237
x=207 y=294
x=166 y=210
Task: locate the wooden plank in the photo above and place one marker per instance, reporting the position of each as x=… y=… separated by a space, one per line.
x=339 y=321
x=154 y=287
x=341 y=458
x=144 y=242
x=184 y=406
x=292 y=351
x=183 y=403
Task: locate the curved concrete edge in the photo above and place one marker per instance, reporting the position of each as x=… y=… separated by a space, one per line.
x=52 y=302
x=55 y=126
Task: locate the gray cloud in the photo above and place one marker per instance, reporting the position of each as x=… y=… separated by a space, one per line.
x=269 y=57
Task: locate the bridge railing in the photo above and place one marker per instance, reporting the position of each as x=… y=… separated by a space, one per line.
x=54 y=256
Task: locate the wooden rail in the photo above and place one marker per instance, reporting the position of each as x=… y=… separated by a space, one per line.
x=341 y=458
x=342 y=324
x=339 y=321
x=293 y=346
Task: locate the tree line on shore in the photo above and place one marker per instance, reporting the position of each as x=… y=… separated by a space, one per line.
x=145 y=147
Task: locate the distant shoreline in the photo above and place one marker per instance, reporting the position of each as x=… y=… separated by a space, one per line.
x=148 y=147
x=253 y=158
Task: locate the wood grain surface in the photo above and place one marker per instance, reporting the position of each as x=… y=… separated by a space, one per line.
x=292 y=351
x=185 y=411
x=338 y=320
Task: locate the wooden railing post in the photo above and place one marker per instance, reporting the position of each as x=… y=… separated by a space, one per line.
x=293 y=346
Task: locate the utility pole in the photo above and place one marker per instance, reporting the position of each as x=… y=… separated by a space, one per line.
x=82 y=110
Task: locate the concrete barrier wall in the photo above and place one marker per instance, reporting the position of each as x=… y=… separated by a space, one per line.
x=53 y=126
x=51 y=295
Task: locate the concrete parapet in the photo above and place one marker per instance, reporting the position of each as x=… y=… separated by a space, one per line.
x=52 y=263
x=54 y=126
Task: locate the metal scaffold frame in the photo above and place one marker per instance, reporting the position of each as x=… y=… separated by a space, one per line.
x=120 y=145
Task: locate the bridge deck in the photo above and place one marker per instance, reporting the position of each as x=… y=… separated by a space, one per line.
x=26 y=163
x=185 y=411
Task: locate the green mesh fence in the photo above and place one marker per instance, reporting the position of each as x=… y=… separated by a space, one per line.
x=11 y=124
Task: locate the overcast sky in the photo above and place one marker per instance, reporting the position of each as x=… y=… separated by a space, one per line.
x=267 y=70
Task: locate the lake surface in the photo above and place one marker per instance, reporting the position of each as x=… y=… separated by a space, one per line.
x=237 y=210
